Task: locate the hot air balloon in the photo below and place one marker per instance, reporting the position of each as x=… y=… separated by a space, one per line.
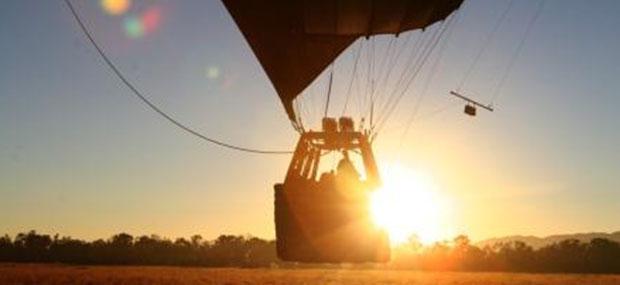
x=325 y=217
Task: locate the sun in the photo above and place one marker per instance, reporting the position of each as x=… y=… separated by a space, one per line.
x=409 y=204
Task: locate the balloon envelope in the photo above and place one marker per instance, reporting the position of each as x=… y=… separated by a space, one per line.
x=295 y=40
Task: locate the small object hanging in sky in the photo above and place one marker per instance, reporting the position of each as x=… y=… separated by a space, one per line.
x=470 y=110
x=470 y=107
x=115 y=7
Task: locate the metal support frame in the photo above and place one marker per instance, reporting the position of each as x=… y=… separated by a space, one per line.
x=305 y=161
x=471 y=101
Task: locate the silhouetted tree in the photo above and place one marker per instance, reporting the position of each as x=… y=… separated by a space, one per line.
x=32 y=247
x=6 y=249
x=597 y=256
x=603 y=256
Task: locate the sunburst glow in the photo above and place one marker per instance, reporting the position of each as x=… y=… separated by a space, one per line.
x=409 y=204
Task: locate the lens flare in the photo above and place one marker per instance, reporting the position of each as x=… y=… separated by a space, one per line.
x=151 y=19
x=144 y=24
x=229 y=80
x=115 y=7
x=213 y=72
x=134 y=27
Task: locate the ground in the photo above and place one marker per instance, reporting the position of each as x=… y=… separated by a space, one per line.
x=136 y=275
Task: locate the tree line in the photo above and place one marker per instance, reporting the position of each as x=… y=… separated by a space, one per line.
x=570 y=256
x=124 y=249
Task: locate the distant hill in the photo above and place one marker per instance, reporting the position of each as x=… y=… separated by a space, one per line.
x=538 y=242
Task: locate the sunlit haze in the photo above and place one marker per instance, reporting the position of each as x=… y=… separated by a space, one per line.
x=410 y=204
x=81 y=156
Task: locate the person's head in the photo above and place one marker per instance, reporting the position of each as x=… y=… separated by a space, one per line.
x=345 y=155
x=345 y=166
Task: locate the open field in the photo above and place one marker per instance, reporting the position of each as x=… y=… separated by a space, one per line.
x=67 y=275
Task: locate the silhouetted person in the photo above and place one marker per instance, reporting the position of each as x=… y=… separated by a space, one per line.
x=327 y=180
x=347 y=178
x=346 y=169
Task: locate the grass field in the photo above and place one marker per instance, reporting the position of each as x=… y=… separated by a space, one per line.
x=67 y=275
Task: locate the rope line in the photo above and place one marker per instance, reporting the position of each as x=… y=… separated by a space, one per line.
x=415 y=114
x=392 y=63
x=410 y=66
x=487 y=41
x=348 y=95
x=329 y=90
x=150 y=104
x=528 y=30
x=423 y=59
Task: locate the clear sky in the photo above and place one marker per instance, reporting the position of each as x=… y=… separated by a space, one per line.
x=80 y=156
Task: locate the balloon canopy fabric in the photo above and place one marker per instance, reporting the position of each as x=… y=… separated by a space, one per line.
x=295 y=40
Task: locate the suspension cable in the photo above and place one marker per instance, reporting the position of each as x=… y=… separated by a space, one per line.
x=382 y=67
x=150 y=104
x=392 y=64
x=410 y=65
x=329 y=90
x=484 y=47
x=353 y=77
x=528 y=30
x=415 y=114
x=424 y=57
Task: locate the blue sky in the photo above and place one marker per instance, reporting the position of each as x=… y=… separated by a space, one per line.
x=80 y=156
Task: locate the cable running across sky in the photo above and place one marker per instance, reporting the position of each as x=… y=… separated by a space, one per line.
x=150 y=104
